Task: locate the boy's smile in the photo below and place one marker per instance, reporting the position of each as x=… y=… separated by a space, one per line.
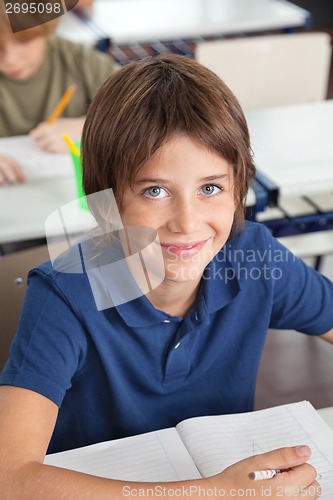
x=186 y=249
x=186 y=193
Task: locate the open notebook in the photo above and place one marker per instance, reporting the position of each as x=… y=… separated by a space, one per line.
x=34 y=162
x=203 y=446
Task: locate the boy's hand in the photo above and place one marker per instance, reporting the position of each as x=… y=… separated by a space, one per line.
x=49 y=137
x=297 y=479
x=10 y=171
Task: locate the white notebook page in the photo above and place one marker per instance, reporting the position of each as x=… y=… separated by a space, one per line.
x=216 y=442
x=34 y=162
x=155 y=456
x=213 y=442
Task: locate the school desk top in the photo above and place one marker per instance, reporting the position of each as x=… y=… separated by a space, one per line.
x=50 y=185
x=24 y=208
x=128 y=21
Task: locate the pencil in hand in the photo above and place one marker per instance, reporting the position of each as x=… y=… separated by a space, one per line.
x=264 y=474
x=62 y=103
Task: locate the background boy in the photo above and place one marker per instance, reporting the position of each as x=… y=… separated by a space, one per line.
x=36 y=68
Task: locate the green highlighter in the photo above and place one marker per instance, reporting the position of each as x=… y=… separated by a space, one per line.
x=74 y=149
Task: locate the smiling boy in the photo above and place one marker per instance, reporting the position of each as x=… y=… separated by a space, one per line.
x=171 y=141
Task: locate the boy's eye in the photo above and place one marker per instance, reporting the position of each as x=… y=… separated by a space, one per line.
x=155 y=192
x=210 y=189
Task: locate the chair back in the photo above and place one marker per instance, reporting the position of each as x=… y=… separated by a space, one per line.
x=271 y=70
x=14 y=268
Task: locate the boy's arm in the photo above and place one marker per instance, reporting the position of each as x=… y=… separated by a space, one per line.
x=328 y=336
x=27 y=420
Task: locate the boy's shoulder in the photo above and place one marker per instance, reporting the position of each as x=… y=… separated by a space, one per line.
x=80 y=55
x=64 y=267
x=253 y=233
x=73 y=263
x=65 y=42
x=68 y=47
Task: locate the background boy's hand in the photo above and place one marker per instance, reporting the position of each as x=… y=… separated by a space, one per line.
x=49 y=137
x=298 y=480
x=10 y=171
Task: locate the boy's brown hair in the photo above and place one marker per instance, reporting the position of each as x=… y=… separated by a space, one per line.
x=6 y=32
x=148 y=102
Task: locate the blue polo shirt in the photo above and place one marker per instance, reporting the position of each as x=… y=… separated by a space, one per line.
x=131 y=368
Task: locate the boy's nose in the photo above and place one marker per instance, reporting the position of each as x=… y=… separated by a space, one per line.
x=185 y=218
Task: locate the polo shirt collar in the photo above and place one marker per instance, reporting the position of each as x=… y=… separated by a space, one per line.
x=141 y=313
x=219 y=286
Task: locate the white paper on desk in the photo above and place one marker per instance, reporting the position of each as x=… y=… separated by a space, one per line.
x=208 y=444
x=154 y=456
x=216 y=442
x=34 y=162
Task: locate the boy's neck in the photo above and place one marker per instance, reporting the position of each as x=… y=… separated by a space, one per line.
x=175 y=299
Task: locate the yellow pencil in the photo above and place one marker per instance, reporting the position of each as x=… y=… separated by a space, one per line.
x=62 y=103
x=73 y=149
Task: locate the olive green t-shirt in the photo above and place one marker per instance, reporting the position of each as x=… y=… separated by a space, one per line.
x=24 y=104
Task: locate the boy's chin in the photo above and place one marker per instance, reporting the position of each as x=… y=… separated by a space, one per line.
x=183 y=274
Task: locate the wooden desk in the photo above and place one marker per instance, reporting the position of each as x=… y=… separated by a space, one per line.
x=131 y=21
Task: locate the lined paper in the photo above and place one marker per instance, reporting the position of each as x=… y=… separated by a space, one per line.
x=34 y=162
x=155 y=456
x=218 y=441
x=213 y=442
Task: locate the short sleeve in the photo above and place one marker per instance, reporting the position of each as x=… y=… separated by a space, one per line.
x=303 y=298
x=50 y=343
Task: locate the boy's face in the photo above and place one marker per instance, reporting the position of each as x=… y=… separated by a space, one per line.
x=186 y=193
x=21 y=59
